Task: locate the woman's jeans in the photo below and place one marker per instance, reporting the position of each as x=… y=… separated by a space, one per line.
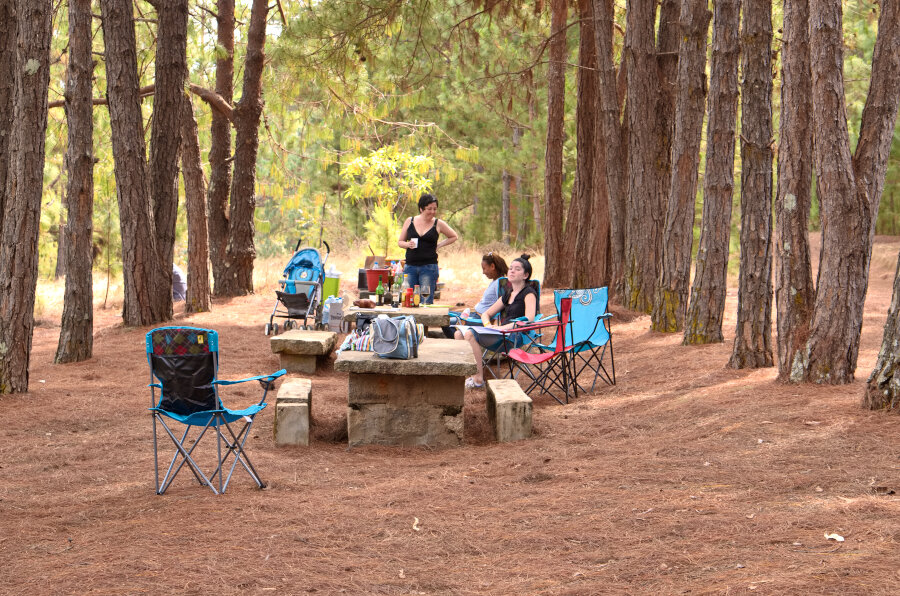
x=423 y=275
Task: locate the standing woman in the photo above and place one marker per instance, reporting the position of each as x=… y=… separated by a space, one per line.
x=419 y=237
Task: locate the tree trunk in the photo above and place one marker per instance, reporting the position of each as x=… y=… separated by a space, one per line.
x=675 y=269
x=610 y=140
x=220 y=144
x=554 y=273
x=504 y=208
x=794 y=291
x=667 y=43
x=24 y=185
x=7 y=90
x=76 y=339
x=703 y=322
x=849 y=188
x=148 y=297
x=165 y=143
x=883 y=386
x=580 y=260
x=195 y=205
x=643 y=212
x=753 y=338
x=238 y=278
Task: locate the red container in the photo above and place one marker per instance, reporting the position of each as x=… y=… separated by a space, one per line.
x=372 y=276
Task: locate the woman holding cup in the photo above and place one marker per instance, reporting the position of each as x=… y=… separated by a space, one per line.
x=420 y=237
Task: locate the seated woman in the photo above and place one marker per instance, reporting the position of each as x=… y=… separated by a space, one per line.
x=494 y=267
x=518 y=300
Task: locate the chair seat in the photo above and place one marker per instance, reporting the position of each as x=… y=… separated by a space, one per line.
x=203 y=418
x=529 y=357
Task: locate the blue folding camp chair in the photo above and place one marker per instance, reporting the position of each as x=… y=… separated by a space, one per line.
x=591 y=332
x=184 y=363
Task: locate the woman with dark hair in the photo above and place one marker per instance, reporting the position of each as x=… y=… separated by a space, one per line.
x=518 y=299
x=493 y=267
x=419 y=237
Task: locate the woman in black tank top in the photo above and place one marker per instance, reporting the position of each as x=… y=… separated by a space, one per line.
x=420 y=237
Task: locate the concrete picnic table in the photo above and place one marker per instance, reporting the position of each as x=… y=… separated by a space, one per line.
x=408 y=402
x=426 y=315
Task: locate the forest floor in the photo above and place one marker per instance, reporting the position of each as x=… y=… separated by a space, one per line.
x=686 y=476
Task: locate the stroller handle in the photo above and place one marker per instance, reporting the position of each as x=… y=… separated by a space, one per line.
x=300 y=240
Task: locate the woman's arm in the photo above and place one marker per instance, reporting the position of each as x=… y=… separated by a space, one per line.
x=402 y=242
x=487 y=315
x=447 y=231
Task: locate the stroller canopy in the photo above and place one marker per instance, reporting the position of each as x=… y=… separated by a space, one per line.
x=305 y=260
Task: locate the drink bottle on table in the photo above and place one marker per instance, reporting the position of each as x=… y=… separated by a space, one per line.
x=417 y=295
x=379 y=294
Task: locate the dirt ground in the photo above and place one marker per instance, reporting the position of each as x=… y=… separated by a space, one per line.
x=685 y=477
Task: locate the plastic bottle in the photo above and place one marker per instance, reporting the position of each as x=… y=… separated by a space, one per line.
x=404 y=290
x=416 y=296
x=379 y=294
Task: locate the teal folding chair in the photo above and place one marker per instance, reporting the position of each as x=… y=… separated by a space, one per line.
x=591 y=333
x=184 y=363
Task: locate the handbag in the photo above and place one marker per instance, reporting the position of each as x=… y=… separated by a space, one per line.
x=396 y=337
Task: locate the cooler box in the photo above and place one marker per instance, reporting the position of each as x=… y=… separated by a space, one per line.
x=332 y=284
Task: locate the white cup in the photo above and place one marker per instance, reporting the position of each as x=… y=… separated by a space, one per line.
x=414 y=243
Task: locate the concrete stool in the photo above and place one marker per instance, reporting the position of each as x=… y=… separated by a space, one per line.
x=292 y=410
x=509 y=410
x=300 y=350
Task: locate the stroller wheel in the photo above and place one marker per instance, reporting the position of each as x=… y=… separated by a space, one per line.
x=274 y=328
x=288 y=325
x=268 y=328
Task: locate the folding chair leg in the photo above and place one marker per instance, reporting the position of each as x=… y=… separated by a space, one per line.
x=235 y=447
x=185 y=458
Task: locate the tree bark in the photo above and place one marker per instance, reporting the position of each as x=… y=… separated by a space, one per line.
x=24 y=185
x=794 y=291
x=195 y=205
x=165 y=143
x=581 y=261
x=554 y=273
x=849 y=188
x=238 y=278
x=703 y=322
x=7 y=90
x=504 y=207
x=148 y=297
x=753 y=338
x=76 y=340
x=643 y=210
x=675 y=269
x=614 y=162
x=220 y=144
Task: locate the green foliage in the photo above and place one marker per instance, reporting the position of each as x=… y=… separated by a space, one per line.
x=389 y=175
x=382 y=228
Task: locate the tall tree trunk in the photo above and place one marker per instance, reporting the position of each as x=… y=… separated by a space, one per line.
x=238 y=278
x=794 y=291
x=615 y=164
x=554 y=273
x=703 y=322
x=24 y=185
x=643 y=211
x=883 y=386
x=76 y=340
x=148 y=297
x=667 y=43
x=849 y=189
x=220 y=144
x=580 y=259
x=7 y=91
x=753 y=338
x=165 y=143
x=195 y=205
x=504 y=207
x=675 y=269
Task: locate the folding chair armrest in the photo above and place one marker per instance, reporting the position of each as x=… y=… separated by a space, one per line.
x=157 y=385
x=267 y=378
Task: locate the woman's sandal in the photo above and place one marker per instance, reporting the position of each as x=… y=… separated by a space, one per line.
x=471 y=384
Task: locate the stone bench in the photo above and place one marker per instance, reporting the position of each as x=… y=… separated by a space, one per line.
x=408 y=402
x=509 y=410
x=300 y=350
x=292 y=411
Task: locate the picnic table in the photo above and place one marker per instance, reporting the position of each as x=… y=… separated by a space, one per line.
x=426 y=315
x=408 y=402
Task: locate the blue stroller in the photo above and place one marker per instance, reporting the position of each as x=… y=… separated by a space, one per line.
x=300 y=296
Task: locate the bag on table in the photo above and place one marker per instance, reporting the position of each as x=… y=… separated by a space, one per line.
x=397 y=337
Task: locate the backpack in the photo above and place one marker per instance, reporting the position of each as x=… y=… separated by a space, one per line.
x=396 y=337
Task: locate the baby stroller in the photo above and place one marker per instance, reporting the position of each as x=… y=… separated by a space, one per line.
x=300 y=296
